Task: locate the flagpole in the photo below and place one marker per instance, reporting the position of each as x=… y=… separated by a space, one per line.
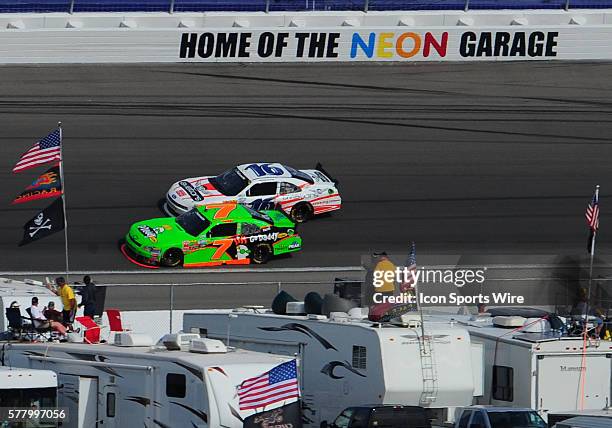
x=61 y=168
x=588 y=296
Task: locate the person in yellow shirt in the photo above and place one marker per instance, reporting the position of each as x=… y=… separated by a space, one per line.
x=66 y=293
x=385 y=265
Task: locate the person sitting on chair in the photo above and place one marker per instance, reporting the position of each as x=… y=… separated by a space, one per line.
x=40 y=321
x=51 y=313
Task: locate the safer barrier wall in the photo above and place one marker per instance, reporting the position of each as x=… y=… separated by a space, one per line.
x=307 y=38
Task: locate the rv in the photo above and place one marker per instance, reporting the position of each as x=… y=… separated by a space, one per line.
x=348 y=361
x=528 y=364
x=184 y=381
x=28 y=389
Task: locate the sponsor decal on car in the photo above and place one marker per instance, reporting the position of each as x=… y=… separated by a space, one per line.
x=191 y=191
x=263 y=237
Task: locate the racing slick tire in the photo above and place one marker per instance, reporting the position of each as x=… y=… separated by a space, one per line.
x=261 y=254
x=172 y=258
x=301 y=212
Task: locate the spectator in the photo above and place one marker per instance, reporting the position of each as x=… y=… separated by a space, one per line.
x=40 y=321
x=88 y=297
x=52 y=314
x=14 y=304
x=381 y=270
x=68 y=300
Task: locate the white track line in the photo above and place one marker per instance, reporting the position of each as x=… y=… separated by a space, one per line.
x=191 y=271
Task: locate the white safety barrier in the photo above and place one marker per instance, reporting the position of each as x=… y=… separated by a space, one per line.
x=306 y=37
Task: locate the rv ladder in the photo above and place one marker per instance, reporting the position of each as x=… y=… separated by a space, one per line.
x=428 y=370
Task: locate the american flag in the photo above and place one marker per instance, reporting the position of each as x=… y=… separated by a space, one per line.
x=411 y=265
x=46 y=150
x=592 y=213
x=278 y=384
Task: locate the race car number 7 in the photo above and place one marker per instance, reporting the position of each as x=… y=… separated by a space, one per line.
x=223 y=245
x=262 y=169
x=224 y=209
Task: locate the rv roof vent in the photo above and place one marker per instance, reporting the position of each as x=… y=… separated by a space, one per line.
x=408 y=320
x=295 y=308
x=536 y=325
x=508 y=321
x=178 y=341
x=316 y=317
x=339 y=317
x=207 y=346
x=358 y=313
x=132 y=339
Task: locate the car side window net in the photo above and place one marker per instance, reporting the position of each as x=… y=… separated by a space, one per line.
x=286 y=188
x=249 y=229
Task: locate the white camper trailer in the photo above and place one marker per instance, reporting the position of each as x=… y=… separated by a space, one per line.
x=183 y=382
x=26 y=388
x=351 y=361
x=539 y=368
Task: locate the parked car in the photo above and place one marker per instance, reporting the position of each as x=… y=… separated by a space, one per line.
x=381 y=416
x=498 y=417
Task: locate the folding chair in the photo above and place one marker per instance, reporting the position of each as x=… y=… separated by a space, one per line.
x=91 y=333
x=16 y=326
x=114 y=321
x=45 y=332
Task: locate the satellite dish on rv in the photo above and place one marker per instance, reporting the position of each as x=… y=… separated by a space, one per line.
x=333 y=303
x=279 y=304
x=313 y=303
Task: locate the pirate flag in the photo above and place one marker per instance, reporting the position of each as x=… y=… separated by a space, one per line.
x=47 y=185
x=46 y=222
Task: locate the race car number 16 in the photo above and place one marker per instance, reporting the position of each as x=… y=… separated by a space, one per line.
x=263 y=169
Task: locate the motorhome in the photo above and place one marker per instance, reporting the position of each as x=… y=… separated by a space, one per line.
x=28 y=389
x=347 y=360
x=183 y=381
x=529 y=364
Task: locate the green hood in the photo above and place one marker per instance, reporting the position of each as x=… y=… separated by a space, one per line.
x=158 y=232
x=280 y=219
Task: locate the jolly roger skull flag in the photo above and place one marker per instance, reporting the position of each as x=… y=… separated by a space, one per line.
x=45 y=223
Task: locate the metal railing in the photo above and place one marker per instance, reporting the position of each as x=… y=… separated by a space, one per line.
x=174 y=6
x=556 y=294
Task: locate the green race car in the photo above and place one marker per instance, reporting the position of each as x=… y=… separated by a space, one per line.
x=212 y=235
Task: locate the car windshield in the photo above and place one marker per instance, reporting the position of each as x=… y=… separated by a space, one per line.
x=230 y=183
x=258 y=215
x=193 y=222
x=516 y=420
x=299 y=174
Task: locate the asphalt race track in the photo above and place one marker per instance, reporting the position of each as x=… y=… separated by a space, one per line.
x=462 y=158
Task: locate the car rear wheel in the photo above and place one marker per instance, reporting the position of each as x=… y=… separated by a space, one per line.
x=172 y=258
x=261 y=253
x=301 y=212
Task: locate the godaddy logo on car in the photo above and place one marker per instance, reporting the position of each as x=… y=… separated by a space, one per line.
x=272 y=236
x=264 y=237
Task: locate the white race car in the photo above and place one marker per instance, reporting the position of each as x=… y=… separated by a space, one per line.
x=261 y=186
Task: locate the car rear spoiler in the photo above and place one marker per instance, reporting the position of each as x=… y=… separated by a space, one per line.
x=320 y=168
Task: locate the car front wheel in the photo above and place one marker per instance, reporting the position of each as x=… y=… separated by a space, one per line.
x=172 y=258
